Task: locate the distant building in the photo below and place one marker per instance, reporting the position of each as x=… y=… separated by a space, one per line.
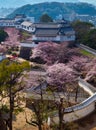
x=55 y=32
x=68 y=17
x=86 y=18
x=31 y=19
x=18 y=21
x=7 y=22
x=60 y=31
x=41 y=32
x=19 y=17
x=27 y=25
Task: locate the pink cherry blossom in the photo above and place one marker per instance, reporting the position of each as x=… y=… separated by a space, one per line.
x=91 y=70
x=60 y=74
x=13 y=39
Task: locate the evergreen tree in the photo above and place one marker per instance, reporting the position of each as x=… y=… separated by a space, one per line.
x=46 y=18
x=11 y=84
x=3 y=35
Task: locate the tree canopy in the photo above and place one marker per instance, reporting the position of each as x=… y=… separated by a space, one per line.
x=50 y=52
x=90 y=39
x=3 y=35
x=11 y=74
x=60 y=74
x=46 y=18
x=81 y=29
x=85 y=34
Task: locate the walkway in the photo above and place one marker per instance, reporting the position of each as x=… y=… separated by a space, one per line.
x=80 y=110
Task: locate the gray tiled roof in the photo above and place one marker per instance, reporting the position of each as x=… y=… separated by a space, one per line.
x=53 y=31
x=65 y=30
x=46 y=25
x=46 y=32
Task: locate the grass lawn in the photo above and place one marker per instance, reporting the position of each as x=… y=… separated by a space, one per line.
x=24 y=35
x=86 y=53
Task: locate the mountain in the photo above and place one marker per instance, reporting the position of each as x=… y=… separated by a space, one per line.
x=54 y=9
x=18 y=3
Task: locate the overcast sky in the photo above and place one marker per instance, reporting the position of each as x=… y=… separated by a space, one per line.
x=18 y=3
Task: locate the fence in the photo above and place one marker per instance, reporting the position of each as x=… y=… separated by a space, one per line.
x=80 y=110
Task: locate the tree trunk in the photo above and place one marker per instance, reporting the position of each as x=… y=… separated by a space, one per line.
x=39 y=127
x=61 y=114
x=76 y=96
x=2 y=123
x=11 y=109
x=37 y=111
x=61 y=123
x=10 y=121
x=39 y=121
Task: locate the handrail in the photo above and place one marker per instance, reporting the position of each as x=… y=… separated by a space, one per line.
x=85 y=103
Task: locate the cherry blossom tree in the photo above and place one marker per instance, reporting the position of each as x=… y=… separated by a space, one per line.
x=2 y=49
x=85 y=66
x=13 y=37
x=57 y=75
x=51 y=53
x=33 y=78
x=46 y=51
x=60 y=74
x=91 y=71
x=78 y=62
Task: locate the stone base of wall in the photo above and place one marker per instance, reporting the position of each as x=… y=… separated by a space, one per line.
x=25 y=52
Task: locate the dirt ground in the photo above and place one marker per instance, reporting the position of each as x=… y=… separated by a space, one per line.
x=88 y=123
x=20 y=122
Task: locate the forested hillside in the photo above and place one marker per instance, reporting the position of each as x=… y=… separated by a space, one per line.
x=54 y=9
